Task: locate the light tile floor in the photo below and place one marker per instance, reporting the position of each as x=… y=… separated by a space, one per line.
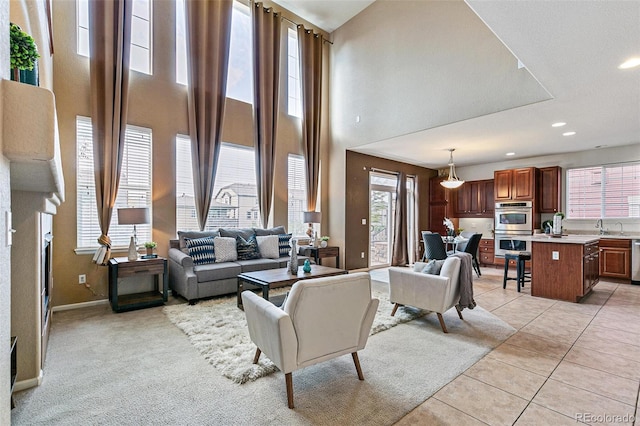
x=568 y=363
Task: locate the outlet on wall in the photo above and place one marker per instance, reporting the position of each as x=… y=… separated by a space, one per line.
x=82 y=279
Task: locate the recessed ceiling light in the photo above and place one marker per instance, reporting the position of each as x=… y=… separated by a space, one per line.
x=509 y=154
x=568 y=133
x=629 y=63
x=558 y=124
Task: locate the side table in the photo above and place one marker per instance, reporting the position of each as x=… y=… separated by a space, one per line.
x=121 y=267
x=320 y=253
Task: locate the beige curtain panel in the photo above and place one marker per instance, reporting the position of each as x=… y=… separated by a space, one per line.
x=208 y=29
x=266 y=74
x=109 y=44
x=310 y=51
x=400 y=254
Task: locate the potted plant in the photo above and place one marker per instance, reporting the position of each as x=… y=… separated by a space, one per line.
x=324 y=241
x=23 y=56
x=150 y=245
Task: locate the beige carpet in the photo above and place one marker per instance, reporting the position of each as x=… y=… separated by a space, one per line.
x=137 y=368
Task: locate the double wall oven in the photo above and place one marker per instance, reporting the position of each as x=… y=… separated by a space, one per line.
x=513 y=221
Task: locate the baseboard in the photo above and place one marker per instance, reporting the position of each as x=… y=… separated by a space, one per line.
x=79 y=305
x=29 y=383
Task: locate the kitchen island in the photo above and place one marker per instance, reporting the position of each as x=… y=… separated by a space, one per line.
x=564 y=268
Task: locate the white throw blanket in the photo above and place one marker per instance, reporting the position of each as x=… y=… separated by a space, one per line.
x=465 y=281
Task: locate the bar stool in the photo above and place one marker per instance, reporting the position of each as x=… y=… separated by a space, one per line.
x=522 y=276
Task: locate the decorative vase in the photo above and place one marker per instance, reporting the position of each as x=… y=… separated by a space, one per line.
x=149 y=251
x=323 y=243
x=133 y=251
x=307 y=266
x=293 y=260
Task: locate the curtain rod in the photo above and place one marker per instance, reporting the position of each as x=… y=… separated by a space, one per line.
x=296 y=24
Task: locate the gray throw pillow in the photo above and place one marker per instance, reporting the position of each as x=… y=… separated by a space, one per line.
x=270 y=231
x=433 y=267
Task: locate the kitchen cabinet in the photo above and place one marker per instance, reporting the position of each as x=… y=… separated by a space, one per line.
x=615 y=258
x=474 y=199
x=437 y=192
x=486 y=251
x=550 y=189
x=439 y=207
x=515 y=184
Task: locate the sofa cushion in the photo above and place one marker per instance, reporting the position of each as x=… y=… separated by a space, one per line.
x=225 y=249
x=271 y=231
x=268 y=246
x=247 y=249
x=216 y=271
x=283 y=244
x=245 y=233
x=201 y=250
x=258 y=264
x=193 y=234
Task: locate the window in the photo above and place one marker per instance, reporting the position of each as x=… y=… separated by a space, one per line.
x=235 y=197
x=297 y=195
x=140 y=34
x=293 y=75
x=611 y=191
x=134 y=191
x=240 y=77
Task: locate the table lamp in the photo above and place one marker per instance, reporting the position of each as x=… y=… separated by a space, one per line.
x=311 y=218
x=133 y=216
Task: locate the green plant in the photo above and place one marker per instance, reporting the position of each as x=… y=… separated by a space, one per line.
x=560 y=214
x=23 y=49
x=324 y=238
x=150 y=244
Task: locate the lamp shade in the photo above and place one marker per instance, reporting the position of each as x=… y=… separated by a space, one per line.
x=133 y=216
x=311 y=217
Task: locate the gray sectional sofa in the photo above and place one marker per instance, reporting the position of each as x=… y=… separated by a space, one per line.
x=195 y=282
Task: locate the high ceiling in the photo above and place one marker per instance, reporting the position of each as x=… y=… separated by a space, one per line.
x=572 y=48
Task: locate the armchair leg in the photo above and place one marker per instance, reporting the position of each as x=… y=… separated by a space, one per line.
x=444 y=327
x=395 y=308
x=356 y=361
x=255 y=358
x=459 y=313
x=289 y=380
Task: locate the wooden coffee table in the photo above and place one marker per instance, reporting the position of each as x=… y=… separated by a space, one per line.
x=274 y=278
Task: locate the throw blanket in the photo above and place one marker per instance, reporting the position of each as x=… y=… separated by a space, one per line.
x=465 y=281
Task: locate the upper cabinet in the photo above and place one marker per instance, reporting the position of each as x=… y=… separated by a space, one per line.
x=474 y=199
x=515 y=184
x=550 y=189
x=437 y=192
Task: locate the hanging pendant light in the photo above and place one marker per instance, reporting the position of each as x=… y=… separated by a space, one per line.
x=452 y=181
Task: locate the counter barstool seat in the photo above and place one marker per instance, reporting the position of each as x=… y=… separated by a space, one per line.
x=522 y=276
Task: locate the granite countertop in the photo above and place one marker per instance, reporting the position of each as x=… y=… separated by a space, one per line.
x=564 y=239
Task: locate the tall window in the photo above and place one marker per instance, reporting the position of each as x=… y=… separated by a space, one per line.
x=235 y=196
x=141 y=32
x=294 y=97
x=240 y=78
x=297 y=195
x=134 y=190
x=611 y=191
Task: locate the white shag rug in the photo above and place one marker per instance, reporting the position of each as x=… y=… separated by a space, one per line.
x=218 y=329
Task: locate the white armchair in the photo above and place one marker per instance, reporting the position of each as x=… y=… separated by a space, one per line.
x=436 y=293
x=321 y=319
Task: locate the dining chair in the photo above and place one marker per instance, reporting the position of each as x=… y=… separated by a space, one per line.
x=472 y=249
x=433 y=246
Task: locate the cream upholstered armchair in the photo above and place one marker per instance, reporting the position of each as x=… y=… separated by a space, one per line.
x=436 y=293
x=321 y=319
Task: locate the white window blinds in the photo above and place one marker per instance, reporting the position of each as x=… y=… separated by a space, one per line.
x=297 y=195
x=134 y=190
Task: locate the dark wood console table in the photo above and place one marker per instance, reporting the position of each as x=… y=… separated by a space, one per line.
x=121 y=267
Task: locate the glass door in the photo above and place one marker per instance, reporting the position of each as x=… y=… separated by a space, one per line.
x=382 y=196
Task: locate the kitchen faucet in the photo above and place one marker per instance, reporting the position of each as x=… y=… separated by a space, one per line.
x=620 y=223
x=600 y=226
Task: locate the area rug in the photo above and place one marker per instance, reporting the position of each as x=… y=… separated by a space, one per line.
x=218 y=329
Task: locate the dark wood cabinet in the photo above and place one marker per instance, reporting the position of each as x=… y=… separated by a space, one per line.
x=615 y=258
x=437 y=192
x=487 y=200
x=439 y=206
x=550 y=189
x=515 y=184
x=474 y=199
x=486 y=251
x=590 y=266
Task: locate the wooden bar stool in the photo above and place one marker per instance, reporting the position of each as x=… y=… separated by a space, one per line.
x=522 y=276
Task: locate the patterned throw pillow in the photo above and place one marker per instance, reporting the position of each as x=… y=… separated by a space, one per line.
x=268 y=246
x=225 y=249
x=283 y=244
x=247 y=249
x=201 y=250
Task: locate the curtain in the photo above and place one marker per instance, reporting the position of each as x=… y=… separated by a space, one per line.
x=310 y=52
x=208 y=28
x=109 y=44
x=400 y=254
x=266 y=74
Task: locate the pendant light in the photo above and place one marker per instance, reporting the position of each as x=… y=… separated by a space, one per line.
x=452 y=181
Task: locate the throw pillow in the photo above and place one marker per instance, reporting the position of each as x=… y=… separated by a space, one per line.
x=201 y=250
x=225 y=248
x=433 y=267
x=183 y=235
x=270 y=231
x=247 y=249
x=245 y=233
x=283 y=244
x=419 y=266
x=268 y=246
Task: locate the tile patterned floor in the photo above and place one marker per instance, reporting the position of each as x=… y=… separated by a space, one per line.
x=569 y=363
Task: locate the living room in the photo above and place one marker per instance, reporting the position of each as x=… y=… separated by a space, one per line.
x=159 y=103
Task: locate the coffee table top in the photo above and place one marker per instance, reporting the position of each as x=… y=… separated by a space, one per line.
x=282 y=277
